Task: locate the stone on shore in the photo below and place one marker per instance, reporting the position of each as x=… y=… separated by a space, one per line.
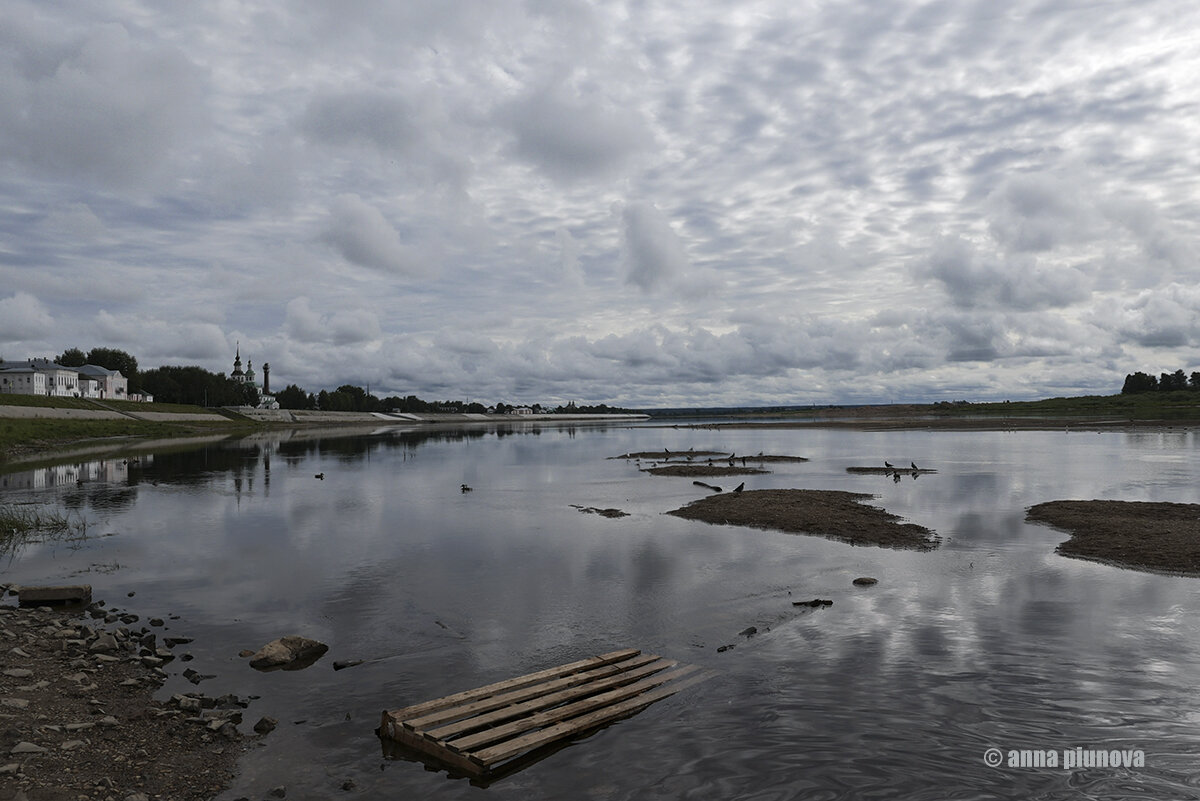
x=288 y=653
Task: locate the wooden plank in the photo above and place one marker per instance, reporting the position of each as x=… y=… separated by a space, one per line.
x=61 y=594
x=519 y=681
x=560 y=713
x=423 y=746
x=569 y=728
x=550 y=700
x=449 y=713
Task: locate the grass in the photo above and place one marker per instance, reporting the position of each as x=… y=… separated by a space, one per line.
x=117 y=405
x=1136 y=406
x=21 y=524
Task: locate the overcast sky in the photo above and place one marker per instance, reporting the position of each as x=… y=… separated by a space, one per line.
x=637 y=203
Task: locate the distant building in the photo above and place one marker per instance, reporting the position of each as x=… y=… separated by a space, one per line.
x=265 y=399
x=50 y=379
x=39 y=377
x=99 y=382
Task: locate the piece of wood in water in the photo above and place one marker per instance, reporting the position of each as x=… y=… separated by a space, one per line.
x=62 y=594
x=502 y=726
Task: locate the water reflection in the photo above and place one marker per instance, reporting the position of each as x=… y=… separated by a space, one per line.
x=897 y=689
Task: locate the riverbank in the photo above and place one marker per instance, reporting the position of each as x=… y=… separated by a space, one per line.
x=1141 y=535
x=80 y=720
x=35 y=429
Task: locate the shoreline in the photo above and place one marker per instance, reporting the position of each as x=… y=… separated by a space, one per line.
x=81 y=720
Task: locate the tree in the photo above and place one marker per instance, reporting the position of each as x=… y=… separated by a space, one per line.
x=292 y=397
x=113 y=359
x=1139 y=382
x=1170 y=382
x=72 y=357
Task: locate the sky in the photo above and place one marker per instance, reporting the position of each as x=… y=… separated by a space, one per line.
x=643 y=204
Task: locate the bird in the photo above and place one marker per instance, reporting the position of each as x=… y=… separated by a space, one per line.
x=320 y=476
x=914 y=466
x=465 y=488
x=740 y=487
x=887 y=464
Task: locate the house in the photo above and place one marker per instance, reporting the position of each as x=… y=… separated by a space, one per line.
x=98 y=382
x=39 y=377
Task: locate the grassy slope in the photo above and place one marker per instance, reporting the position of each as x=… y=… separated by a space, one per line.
x=1140 y=406
x=32 y=435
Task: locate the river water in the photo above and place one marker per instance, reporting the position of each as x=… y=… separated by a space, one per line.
x=896 y=690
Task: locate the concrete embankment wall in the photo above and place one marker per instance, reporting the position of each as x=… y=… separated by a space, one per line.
x=61 y=414
x=378 y=418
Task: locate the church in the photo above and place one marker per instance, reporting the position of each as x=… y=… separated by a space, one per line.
x=247 y=376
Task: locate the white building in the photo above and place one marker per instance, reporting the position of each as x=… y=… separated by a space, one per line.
x=47 y=378
x=39 y=377
x=98 y=382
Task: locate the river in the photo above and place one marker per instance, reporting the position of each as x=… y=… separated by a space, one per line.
x=896 y=690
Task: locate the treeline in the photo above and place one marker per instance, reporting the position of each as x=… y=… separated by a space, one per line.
x=1166 y=382
x=197 y=386
x=200 y=387
x=349 y=398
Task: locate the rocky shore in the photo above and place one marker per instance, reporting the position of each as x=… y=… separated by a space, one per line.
x=78 y=717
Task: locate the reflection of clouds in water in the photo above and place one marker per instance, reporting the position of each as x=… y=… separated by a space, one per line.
x=991 y=638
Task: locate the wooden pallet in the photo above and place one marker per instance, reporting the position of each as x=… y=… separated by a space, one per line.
x=483 y=731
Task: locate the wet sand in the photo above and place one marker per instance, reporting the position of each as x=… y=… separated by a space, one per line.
x=1162 y=537
x=833 y=514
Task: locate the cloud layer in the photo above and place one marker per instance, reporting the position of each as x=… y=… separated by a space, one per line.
x=645 y=204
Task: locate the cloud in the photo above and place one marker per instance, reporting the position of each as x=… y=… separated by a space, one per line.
x=652 y=253
x=1162 y=318
x=338 y=328
x=572 y=136
x=98 y=106
x=360 y=233
x=1018 y=282
x=1035 y=213
x=23 y=318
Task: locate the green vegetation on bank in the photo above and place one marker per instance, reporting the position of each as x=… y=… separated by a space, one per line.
x=1176 y=405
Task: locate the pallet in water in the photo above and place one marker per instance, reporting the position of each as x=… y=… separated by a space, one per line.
x=487 y=731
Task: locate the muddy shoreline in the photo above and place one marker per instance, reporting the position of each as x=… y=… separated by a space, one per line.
x=833 y=514
x=1160 y=537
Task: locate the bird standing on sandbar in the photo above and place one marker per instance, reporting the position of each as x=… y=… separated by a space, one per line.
x=914 y=466
x=740 y=487
x=887 y=465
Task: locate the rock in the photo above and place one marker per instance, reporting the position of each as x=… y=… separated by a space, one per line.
x=156 y=621
x=749 y=631
x=10 y=769
x=278 y=792
x=814 y=603
x=196 y=677
x=865 y=581
x=288 y=653
x=724 y=648
x=71 y=745
x=24 y=747
x=265 y=725
x=19 y=673
x=105 y=643
x=342 y=665
x=171 y=642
